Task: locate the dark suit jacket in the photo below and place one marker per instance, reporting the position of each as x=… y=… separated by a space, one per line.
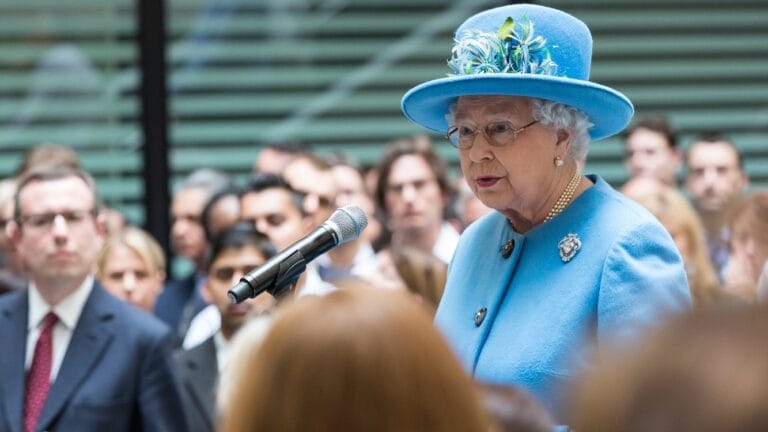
x=178 y=303
x=199 y=373
x=117 y=374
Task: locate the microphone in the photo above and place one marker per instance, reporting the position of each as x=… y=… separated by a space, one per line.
x=282 y=270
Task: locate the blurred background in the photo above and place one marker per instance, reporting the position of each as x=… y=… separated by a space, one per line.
x=224 y=77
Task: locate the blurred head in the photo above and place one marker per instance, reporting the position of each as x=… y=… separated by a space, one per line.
x=749 y=233
x=412 y=270
x=352 y=360
x=220 y=212
x=704 y=372
x=187 y=234
x=236 y=251
x=514 y=410
x=56 y=230
x=351 y=190
x=275 y=209
x=131 y=266
x=650 y=150
x=312 y=177
x=715 y=175
x=508 y=146
x=273 y=158
x=412 y=187
x=48 y=154
x=680 y=219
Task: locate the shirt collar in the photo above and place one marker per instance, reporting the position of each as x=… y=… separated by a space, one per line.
x=67 y=310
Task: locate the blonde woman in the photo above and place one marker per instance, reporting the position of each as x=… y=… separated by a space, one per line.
x=679 y=218
x=131 y=266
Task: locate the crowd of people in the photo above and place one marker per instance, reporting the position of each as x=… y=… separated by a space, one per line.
x=524 y=295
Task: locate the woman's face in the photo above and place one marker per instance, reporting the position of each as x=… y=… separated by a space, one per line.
x=519 y=176
x=126 y=276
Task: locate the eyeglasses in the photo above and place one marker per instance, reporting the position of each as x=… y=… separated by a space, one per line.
x=44 y=221
x=499 y=134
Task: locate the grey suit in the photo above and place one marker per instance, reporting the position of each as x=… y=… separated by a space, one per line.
x=117 y=374
x=199 y=373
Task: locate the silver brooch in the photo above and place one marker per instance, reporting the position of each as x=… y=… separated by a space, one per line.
x=569 y=246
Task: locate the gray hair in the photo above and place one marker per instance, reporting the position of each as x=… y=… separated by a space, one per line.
x=207 y=179
x=555 y=115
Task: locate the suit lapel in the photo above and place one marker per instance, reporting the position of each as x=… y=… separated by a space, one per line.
x=201 y=372
x=93 y=333
x=13 y=335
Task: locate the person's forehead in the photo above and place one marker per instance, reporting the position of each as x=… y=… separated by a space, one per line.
x=237 y=256
x=410 y=168
x=647 y=138
x=123 y=256
x=58 y=194
x=269 y=201
x=190 y=200
x=316 y=182
x=478 y=106
x=712 y=154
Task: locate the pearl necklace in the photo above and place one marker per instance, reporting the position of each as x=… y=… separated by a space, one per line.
x=565 y=197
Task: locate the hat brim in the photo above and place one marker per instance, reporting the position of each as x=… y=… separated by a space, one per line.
x=610 y=111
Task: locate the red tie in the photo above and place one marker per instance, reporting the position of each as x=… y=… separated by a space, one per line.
x=39 y=376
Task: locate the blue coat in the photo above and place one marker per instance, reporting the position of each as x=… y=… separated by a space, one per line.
x=117 y=374
x=542 y=313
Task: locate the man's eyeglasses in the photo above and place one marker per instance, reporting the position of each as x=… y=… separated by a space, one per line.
x=498 y=134
x=44 y=221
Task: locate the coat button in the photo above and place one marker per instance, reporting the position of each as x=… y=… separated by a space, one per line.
x=480 y=316
x=506 y=250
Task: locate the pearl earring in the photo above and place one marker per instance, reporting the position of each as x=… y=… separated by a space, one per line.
x=559 y=161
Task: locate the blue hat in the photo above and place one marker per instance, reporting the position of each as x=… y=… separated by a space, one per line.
x=521 y=50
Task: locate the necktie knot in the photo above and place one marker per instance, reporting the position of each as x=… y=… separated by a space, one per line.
x=49 y=321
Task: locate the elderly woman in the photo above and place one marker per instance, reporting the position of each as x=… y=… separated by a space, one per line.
x=564 y=260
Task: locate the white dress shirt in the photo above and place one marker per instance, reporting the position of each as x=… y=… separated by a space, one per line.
x=68 y=312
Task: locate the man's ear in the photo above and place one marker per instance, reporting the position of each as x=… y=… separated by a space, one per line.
x=205 y=292
x=13 y=232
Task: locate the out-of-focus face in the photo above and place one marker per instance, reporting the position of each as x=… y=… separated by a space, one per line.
x=271 y=161
x=413 y=198
x=713 y=177
x=126 y=276
x=318 y=186
x=273 y=213
x=59 y=237
x=225 y=272
x=514 y=177
x=187 y=235
x=224 y=214
x=648 y=154
x=749 y=245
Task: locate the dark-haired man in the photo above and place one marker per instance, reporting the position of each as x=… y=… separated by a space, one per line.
x=76 y=358
x=715 y=179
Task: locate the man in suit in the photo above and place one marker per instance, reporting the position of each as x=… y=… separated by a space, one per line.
x=181 y=299
x=76 y=358
x=236 y=251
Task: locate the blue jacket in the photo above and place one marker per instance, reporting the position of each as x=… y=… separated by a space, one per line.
x=541 y=314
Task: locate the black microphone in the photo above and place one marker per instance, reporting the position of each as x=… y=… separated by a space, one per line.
x=282 y=270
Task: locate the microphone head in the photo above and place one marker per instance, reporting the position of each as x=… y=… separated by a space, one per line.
x=348 y=222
